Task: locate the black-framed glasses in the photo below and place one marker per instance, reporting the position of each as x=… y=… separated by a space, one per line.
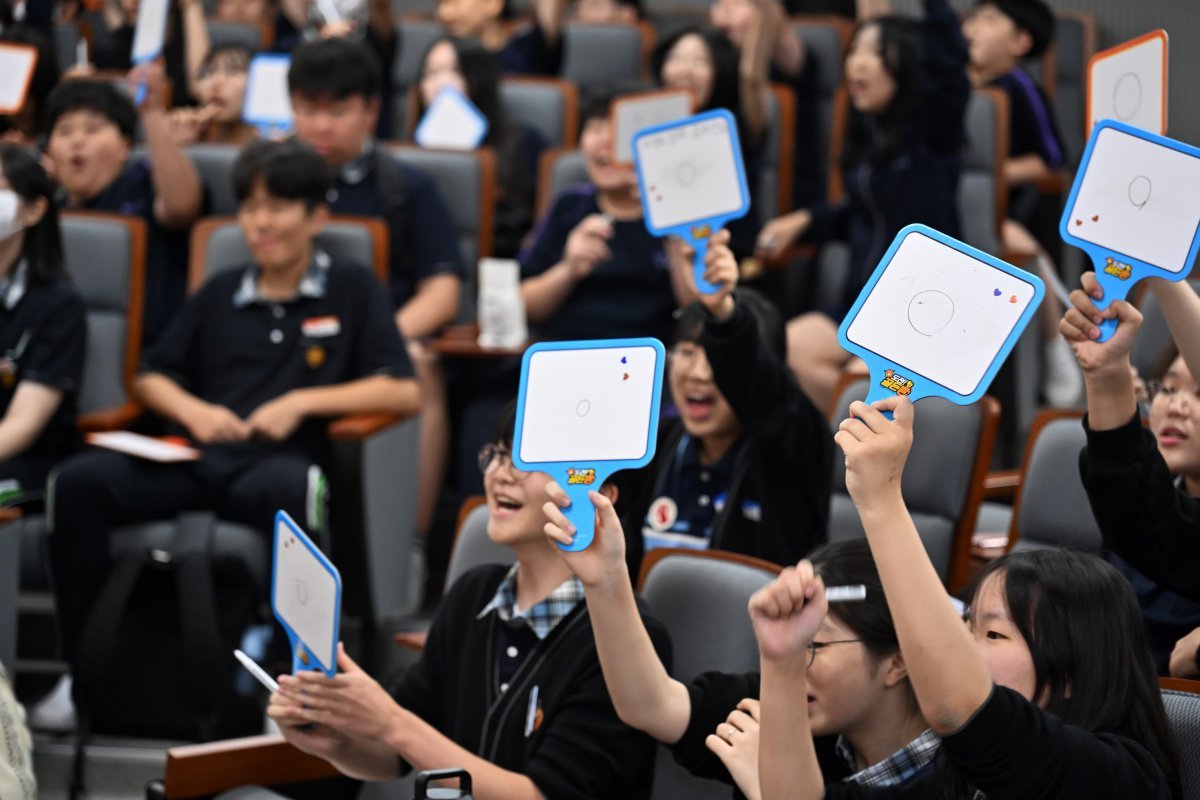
x=815 y=646
x=1167 y=391
x=492 y=456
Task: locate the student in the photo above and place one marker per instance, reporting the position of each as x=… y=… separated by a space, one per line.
x=509 y=685
x=1144 y=482
x=534 y=51
x=42 y=332
x=28 y=124
x=864 y=708
x=745 y=466
x=250 y=377
x=335 y=92
x=900 y=164
x=220 y=88
x=92 y=126
x=1049 y=691
x=473 y=70
x=113 y=44
x=537 y=49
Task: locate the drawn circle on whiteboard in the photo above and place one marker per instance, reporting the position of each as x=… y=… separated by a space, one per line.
x=301 y=592
x=686 y=173
x=1139 y=191
x=1127 y=97
x=583 y=408
x=930 y=311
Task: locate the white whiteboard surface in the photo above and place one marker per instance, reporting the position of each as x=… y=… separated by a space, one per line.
x=589 y=405
x=1140 y=199
x=690 y=173
x=267 y=99
x=1128 y=84
x=305 y=595
x=940 y=313
x=451 y=120
x=150 y=30
x=17 y=62
x=638 y=112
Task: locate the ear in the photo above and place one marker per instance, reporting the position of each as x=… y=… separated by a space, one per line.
x=1022 y=44
x=895 y=670
x=320 y=216
x=373 y=106
x=610 y=491
x=34 y=212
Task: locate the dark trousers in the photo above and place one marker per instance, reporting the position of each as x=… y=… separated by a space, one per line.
x=100 y=490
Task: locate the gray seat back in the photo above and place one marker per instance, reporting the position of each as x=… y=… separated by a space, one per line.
x=1154 y=337
x=987 y=140
x=345 y=241
x=1071 y=53
x=473 y=548
x=105 y=257
x=937 y=477
x=242 y=34
x=1053 y=507
x=566 y=169
x=772 y=158
x=546 y=105
x=10 y=562
x=1183 y=715
x=66 y=39
x=823 y=44
x=415 y=37
x=601 y=53
x=214 y=163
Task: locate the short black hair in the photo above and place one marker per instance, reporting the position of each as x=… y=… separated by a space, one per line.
x=290 y=170
x=597 y=100
x=1032 y=16
x=772 y=331
x=101 y=97
x=237 y=55
x=335 y=68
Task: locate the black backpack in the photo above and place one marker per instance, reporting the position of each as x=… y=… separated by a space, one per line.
x=155 y=658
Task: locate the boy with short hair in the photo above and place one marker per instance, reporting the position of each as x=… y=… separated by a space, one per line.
x=1000 y=34
x=92 y=129
x=252 y=369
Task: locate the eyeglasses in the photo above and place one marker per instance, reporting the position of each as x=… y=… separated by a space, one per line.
x=684 y=356
x=492 y=456
x=814 y=646
x=1168 y=391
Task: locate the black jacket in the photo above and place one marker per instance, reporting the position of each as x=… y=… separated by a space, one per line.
x=580 y=751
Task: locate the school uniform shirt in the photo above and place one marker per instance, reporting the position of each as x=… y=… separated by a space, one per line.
x=421 y=229
x=1032 y=129
x=628 y=295
x=232 y=347
x=769 y=497
x=1013 y=750
x=714 y=695
x=1144 y=515
x=920 y=183
x=554 y=722
x=43 y=339
x=529 y=52
x=132 y=193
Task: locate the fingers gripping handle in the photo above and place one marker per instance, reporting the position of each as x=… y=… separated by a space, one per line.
x=1113 y=290
x=582 y=514
x=878 y=392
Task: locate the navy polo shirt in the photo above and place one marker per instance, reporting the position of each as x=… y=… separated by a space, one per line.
x=132 y=193
x=529 y=52
x=690 y=498
x=233 y=348
x=43 y=337
x=422 y=236
x=628 y=295
x=1031 y=128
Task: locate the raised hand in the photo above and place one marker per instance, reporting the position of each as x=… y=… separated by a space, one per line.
x=1079 y=326
x=787 y=612
x=604 y=560
x=876 y=449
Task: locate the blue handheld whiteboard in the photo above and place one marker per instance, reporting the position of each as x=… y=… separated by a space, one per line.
x=306 y=596
x=938 y=318
x=585 y=410
x=692 y=180
x=149 y=33
x=451 y=120
x=1134 y=209
x=267 y=104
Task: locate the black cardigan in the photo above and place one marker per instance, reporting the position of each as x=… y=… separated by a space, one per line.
x=1012 y=750
x=786 y=461
x=580 y=751
x=1144 y=517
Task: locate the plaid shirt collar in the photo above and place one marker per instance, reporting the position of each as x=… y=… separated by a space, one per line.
x=542 y=618
x=311 y=285
x=897 y=768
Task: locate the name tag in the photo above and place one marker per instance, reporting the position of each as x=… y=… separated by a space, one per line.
x=321 y=327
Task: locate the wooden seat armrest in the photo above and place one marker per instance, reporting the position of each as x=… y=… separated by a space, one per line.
x=1179 y=685
x=1001 y=483
x=1054 y=183
x=413 y=640
x=200 y=770
x=462 y=341
x=109 y=419
x=358 y=427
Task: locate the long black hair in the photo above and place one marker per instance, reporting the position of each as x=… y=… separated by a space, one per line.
x=878 y=138
x=1091 y=658
x=726 y=91
x=42 y=248
x=480 y=69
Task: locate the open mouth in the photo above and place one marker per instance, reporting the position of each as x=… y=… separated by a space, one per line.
x=1170 y=435
x=505 y=505
x=698 y=405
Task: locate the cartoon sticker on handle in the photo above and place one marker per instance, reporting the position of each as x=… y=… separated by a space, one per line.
x=938 y=318
x=1134 y=209
x=692 y=180
x=585 y=410
x=306 y=596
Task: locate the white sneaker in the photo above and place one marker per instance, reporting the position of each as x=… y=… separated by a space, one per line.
x=56 y=711
x=1062 y=382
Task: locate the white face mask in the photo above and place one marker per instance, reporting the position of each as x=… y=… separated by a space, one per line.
x=9 y=208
